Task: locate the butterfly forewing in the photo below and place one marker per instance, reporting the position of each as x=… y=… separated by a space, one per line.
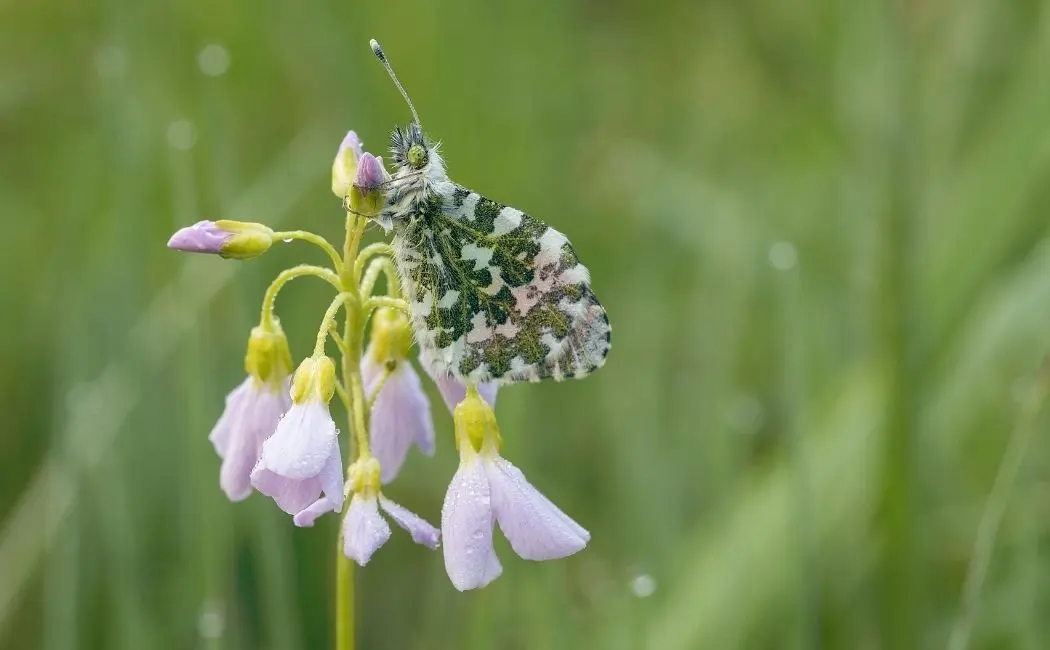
x=495 y=293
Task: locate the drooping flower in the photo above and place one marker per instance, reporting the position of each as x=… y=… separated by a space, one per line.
x=401 y=412
x=452 y=390
x=487 y=489
x=344 y=168
x=238 y=240
x=364 y=529
x=300 y=466
x=253 y=409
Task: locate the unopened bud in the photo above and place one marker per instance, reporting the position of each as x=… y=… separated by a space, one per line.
x=344 y=168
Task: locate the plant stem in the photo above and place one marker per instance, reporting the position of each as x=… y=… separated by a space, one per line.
x=350 y=347
x=344 y=598
x=287 y=275
x=316 y=240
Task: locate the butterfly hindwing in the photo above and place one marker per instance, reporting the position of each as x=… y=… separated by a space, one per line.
x=497 y=294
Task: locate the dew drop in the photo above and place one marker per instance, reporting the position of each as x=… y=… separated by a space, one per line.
x=643 y=585
x=783 y=256
x=181 y=135
x=213 y=60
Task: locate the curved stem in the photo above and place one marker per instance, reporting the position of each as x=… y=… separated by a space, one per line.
x=379 y=387
x=344 y=397
x=316 y=240
x=339 y=341
x=286 y=276
x=386 y=301
x=385 y=265
x=328 y=322
x=380 y=248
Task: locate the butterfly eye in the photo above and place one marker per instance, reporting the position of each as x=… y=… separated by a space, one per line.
x=417 y=156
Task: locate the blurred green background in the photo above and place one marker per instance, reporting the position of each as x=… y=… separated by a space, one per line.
x=819 y=229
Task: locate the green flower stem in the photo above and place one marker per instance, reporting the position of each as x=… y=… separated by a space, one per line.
x=344 y=598
x=378 y=387
x=350 y=345
x=286 y=276
x=370 y=251
x=386 y=301
x=344 y=396
x=328 y=322
x=385 y=265
x=316 y=240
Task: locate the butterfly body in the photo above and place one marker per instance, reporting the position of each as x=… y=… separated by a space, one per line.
x=494 y=293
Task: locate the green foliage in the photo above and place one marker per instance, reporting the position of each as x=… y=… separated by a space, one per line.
x=818 y=229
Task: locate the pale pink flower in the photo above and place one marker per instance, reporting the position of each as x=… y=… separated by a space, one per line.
x=252 y=412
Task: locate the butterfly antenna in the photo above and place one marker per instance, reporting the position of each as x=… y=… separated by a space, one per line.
x=378 y=51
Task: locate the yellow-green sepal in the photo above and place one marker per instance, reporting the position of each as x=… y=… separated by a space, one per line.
x=249 y=239
x=268 y=360
x=314 y=380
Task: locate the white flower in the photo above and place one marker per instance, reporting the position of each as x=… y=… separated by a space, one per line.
x=364 y=529
x=488 y=489
x=253 y=410
x=401 y=413
x=300 y=466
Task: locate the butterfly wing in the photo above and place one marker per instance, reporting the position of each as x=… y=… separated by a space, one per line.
x=496 y=294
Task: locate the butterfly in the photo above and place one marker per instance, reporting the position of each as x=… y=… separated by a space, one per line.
x=494 y=294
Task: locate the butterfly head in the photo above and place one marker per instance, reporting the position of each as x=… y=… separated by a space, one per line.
x=409 y=148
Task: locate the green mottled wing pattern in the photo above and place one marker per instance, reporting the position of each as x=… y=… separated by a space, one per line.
x=496 y=294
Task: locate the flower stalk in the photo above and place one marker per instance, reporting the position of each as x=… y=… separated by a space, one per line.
x=351 y=353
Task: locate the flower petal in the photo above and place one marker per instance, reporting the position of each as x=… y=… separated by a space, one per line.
x=302 y=443
x=422 y=532
x=401 y=416
x=232 y=413
x=466 y=526
x=331 y=482
x=535 y=527
x=370 y=172
x=201 y=237
x=255 y=420
x=331 y=478
x=364 y=530
x=291 y=495
x=345 y=165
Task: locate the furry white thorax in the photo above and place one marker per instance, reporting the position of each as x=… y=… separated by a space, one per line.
x=410 y=187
